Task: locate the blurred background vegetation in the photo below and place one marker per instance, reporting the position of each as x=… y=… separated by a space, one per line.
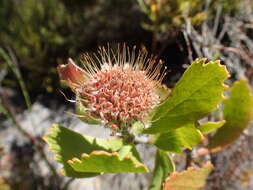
x=42 y=34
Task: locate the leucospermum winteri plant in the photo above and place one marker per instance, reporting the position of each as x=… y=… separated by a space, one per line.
x=117 y=89
x=122 y=90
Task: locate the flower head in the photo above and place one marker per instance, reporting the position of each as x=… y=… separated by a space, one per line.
x=116 y=87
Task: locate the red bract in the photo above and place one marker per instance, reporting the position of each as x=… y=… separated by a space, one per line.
x=71 y=73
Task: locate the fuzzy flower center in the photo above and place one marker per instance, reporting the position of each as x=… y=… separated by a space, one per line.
x=117 y=87
x=119 y=93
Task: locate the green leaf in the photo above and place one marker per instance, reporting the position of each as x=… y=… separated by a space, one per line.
x=129 y=150
x=190 y=136
x=168 y=141
x=67 y=144
x=82 y=114
x=209 y=127
x=237 y=112
x=198 y=92
x=163 y=167
x=173 y=141
x=104 y=162
x=138 y=127
x=191 y=179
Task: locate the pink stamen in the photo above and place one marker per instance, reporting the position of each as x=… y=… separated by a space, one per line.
x=123 y=90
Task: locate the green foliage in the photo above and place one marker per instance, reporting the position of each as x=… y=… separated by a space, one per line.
x=174 y=126
x=67 y=144
x=84 y=156
x=16 y=71
x=173 y=141
x=168 y=15
x=209 y=127
x=198 y=92
x=233 y=6
x=138 y=127
x=66 y=152
x=237 y=112
x=82 y=114
x=167 y=18
x=163 y=167
x=97 y=161
x=191 y=179
x=190 y=136
x=31 y=30
x=42 y=37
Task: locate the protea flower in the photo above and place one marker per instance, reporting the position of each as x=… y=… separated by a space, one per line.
x=117 y=88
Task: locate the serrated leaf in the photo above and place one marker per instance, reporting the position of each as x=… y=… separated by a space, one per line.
x=198 y=92
x=163 y=167
x=209 y=127
x=129 y=150
x=173 y=141
x=67 y=144
x=191 y=179
x=105 y=162
x=237 y=112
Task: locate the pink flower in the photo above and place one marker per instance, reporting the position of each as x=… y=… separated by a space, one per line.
x=117 y=88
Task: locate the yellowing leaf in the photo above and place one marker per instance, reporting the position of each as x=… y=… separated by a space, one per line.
x=104 y=162
x=237 y=112
x=191 y=179
x=198 y=92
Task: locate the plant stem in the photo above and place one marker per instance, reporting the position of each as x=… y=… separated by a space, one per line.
x=12 y=63
x=188 y=158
